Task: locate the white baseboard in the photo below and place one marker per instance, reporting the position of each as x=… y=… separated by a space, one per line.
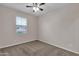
x=60 y=47
x=16 y=44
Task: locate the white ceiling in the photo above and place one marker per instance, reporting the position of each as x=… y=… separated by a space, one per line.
x=47 y=7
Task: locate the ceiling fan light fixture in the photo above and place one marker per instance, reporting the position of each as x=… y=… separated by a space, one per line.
x=35 y=9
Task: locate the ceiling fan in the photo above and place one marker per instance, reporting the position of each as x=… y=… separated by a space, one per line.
x=36 y=7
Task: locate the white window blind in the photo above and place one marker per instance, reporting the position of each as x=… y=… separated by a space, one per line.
x=21 y=25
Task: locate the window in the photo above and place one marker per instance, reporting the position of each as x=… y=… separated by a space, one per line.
x=21 y=25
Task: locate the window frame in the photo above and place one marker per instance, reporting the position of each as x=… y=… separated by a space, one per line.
x=20 y=26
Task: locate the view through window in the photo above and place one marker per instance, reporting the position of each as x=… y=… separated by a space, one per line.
x=21 y=25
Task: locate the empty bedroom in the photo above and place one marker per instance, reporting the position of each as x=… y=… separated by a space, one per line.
x=39 y=29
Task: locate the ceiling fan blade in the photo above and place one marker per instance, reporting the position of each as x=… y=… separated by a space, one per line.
x=29 y=6
x=41 y=9
x=42 y=4
x=33 y=11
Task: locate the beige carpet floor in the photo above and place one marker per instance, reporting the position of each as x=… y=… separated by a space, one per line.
x=35 y=48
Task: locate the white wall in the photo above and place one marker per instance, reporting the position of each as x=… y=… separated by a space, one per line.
x=8 y=36
x=61 y=28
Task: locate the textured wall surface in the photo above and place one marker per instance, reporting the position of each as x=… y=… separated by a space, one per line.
x=8 y=34
x=61 y=28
